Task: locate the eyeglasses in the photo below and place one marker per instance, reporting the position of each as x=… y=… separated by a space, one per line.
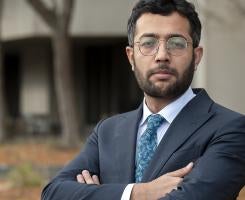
x=149 y=45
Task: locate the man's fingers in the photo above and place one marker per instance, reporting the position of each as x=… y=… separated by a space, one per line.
x=80 y=178
x=181 y=172
x=96 y=179
x=87 y=177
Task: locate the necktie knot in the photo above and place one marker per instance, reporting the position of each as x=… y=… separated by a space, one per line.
x=154 y=121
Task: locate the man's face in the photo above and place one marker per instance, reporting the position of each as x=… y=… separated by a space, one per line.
x=163 y=75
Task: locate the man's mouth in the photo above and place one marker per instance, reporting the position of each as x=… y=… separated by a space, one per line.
x=162 y=74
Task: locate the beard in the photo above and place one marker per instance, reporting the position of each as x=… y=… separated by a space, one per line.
x=170 y=91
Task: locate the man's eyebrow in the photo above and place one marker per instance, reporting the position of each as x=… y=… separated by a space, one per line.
x=176 y=35
x=157 y=36
x=149 y=35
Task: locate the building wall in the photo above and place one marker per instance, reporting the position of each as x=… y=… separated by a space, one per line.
x=19 y=21
x=104 y=18
x=222 y=70
x=90 y=18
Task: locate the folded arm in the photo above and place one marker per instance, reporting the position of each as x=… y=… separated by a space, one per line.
x=220 y=172
x=146 y=191
x=65 y=186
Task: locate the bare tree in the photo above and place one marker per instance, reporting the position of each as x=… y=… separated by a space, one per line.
x=2 y=110
x=58 y=19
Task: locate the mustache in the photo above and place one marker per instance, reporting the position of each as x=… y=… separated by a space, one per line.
x=162 y=67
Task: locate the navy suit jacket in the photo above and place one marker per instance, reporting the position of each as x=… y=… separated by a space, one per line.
x=204 y=132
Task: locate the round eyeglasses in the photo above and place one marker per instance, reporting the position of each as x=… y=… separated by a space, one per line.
x=149 y=45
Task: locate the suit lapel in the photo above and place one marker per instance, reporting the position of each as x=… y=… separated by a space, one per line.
x=193 y=115
x=125 y=141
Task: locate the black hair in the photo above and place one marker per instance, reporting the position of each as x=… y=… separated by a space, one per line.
x=165 y=8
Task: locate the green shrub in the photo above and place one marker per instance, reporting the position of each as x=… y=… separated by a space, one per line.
x=25 y=175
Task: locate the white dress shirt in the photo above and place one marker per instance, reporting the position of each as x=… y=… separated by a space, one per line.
x=168 y=113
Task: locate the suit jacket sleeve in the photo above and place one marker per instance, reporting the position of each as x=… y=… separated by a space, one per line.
x=219 y=174
x=65 y=187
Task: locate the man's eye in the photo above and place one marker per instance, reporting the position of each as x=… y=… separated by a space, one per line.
x=177 y=45
x=148 y=44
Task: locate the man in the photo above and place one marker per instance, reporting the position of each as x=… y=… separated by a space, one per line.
x=179 y=144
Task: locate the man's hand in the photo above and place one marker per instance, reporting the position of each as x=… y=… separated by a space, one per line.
x=85 y=177
x=161 y=186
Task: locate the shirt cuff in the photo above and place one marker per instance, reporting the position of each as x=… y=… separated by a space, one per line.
x=127 y=192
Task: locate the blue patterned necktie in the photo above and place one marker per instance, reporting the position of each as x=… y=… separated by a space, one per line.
x=147 y=145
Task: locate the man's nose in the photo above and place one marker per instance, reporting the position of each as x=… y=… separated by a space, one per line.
x=162 y=53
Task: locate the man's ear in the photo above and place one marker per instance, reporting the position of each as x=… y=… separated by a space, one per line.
x=130 y=55
x=198 y=52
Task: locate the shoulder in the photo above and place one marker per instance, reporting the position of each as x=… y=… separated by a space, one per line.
x=224 y=112
x=202 y=103
x=221 y=118
x=228 y=118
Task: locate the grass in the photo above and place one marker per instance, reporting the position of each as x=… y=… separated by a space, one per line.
x=25 y=175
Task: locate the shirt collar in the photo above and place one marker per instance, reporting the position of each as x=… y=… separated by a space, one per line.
x=170 y=111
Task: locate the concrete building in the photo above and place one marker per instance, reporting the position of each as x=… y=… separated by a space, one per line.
x=104 y=82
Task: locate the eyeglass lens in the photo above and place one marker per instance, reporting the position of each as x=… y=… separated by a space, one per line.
x=174 y=45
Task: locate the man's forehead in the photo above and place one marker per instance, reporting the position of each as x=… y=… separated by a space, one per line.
x=162 y=25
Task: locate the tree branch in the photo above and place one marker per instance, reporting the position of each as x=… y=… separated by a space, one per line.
x=67 y=12
x=1 y=15
x=48 y=15
x=239 y=6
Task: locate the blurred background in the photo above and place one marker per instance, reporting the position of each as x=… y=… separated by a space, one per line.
x=63 y=67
